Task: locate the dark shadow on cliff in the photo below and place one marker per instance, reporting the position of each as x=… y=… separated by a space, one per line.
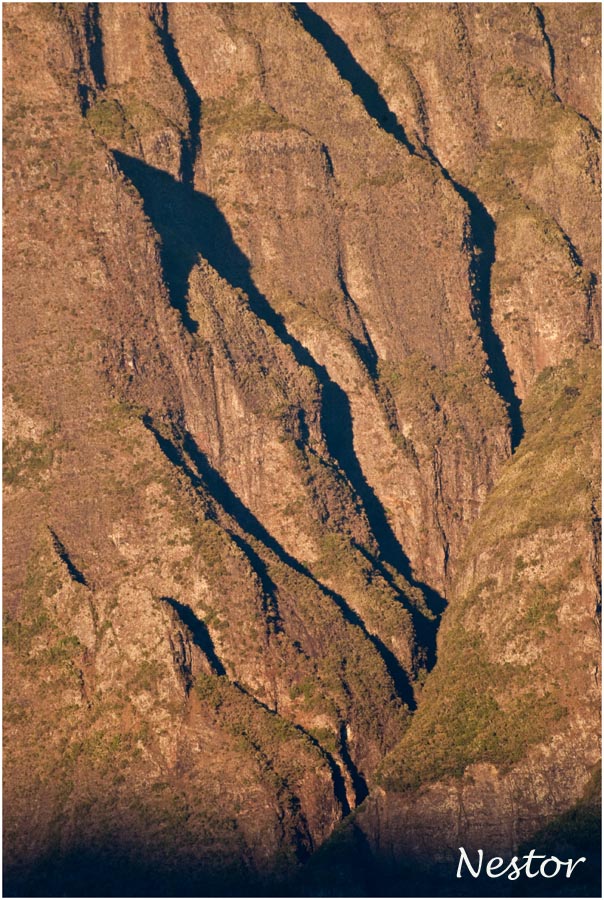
x=198 y=471
x=550 y=47
x=199 y=632
x=190 y=224
x=360 y=81
x=214 y=484
x=482 y=225
x=482 y=228
x=230 y=502
x=74 y=573
x=339 y=785
x=359 y=785
x=187 y=223
x=94 y=40
x=354 y=868
x=201 y=637
x=190 y=145
x=270 y=604
x=344 y=866
x=337 y=427
x=115 y=866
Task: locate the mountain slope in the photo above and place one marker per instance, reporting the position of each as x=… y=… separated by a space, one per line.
x=299 y=363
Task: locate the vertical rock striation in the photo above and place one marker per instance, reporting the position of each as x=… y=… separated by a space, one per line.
x=301 y=308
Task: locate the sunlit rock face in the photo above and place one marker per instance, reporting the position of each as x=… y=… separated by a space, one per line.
x=301 y=460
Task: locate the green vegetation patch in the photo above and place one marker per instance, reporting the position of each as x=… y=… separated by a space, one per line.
x=257 y=731
x=108 y=119
x=145 y=117
x=553 y=476
x=225 y=115
x=42 y=581
x=475 y=706
x=421 y=389
x=463 y=718
x=24 y=460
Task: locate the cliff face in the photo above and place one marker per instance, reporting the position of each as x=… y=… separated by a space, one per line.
x=301 y=306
